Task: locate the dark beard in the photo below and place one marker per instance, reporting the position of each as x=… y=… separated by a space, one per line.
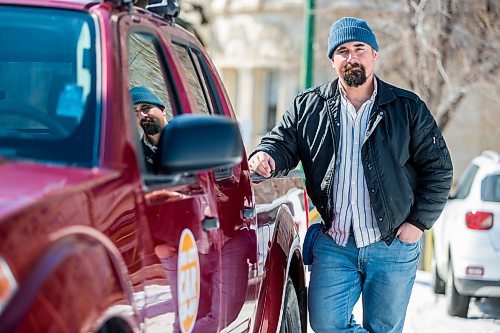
x=150 y=127
x=354 y=74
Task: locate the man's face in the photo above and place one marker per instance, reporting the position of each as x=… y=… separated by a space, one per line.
x=150 y=117
x=353 y=62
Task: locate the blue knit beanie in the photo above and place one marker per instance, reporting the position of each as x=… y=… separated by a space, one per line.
x=142 y=94
x=350 y=29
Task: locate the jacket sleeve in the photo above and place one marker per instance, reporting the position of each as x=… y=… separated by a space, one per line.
x=281 y=143
x=432 y=162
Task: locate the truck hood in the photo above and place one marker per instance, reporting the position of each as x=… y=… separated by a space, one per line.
x=23 y=184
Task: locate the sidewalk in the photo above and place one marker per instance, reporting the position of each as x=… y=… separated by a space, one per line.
x=427 y=312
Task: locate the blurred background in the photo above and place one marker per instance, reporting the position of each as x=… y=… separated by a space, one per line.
x=447 y=51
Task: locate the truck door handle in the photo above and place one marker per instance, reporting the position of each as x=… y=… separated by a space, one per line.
x=210 y=223
x=248 y=213
x=223 y=173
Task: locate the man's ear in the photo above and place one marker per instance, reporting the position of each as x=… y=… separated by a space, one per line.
x=332 y=63
x=375 y=54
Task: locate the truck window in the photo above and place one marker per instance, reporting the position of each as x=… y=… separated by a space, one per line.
x=48 y=98
x=145 y=68
x=195 y=79
x=209 y=80
x=151 y=100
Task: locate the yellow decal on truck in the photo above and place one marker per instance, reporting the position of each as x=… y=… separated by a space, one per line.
x=188 y=278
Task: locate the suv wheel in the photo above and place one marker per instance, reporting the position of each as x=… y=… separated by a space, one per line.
x=458 y=305
x=290 y=323
x=438 y=285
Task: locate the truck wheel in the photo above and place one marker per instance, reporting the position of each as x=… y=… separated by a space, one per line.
x=290 y=322
x=438 y=285
x=458 y=305
x=115 y=325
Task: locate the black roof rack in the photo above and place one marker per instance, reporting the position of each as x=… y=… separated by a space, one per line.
x=127 y=3
x=169 y=9
x=121 y=2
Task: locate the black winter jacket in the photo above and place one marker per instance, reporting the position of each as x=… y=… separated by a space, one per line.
x=407 y=165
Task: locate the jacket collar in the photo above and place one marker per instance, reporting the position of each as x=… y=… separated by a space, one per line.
x=329 y=90
x=384 y=94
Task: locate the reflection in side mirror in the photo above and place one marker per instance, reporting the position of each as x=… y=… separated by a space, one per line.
x=192 y=143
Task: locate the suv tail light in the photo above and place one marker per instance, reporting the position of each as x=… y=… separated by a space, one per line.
x=479 y=220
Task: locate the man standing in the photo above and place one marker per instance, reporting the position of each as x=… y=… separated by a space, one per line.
x=151 y=119
x=379 y=172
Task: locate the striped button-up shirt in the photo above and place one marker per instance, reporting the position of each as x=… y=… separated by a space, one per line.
x=350 y=195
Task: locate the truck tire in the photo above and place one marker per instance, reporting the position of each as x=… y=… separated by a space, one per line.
x=438 y=285
x=290 y=322
x=115 y=325
x=457 y=305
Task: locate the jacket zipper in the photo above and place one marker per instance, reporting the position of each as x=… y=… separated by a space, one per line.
x=380 y=114
x=329 y=206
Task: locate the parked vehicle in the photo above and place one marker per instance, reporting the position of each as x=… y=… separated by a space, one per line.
x=299 y=207
x=296 y=201
x=90 y=240
x=467 y=237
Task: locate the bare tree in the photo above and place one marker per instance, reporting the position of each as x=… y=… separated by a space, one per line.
x=450 y=46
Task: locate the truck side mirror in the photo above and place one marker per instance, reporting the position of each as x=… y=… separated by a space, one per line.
x=191 y=143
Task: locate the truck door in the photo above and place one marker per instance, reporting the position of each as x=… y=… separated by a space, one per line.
x=181 y=238
x=233 y=195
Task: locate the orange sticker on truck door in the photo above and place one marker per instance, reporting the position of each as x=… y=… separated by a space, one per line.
x=188 y=278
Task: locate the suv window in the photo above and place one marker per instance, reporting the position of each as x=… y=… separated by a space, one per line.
x=290 y=206
x=48 y=104
x=465 y=183
x=490 y=188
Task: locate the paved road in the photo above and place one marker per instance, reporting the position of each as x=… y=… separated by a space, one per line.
x=427 y=313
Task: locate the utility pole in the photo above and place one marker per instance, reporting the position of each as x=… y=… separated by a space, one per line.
x=307 y=67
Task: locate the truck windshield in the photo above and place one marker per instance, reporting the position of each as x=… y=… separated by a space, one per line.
x=48 y=104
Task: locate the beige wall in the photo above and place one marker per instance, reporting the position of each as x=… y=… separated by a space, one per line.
x=475 y=128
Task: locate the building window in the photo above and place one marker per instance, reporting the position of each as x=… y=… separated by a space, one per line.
x=271 y=87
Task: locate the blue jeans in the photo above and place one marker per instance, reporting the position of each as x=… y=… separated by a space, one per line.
x=384 y=274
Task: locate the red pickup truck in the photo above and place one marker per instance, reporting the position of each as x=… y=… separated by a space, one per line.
x=91 y=240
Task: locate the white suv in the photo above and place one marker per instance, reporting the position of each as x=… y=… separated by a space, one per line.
x=467 y=237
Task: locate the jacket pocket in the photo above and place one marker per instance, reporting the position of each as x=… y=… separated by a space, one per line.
x=438 y=147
